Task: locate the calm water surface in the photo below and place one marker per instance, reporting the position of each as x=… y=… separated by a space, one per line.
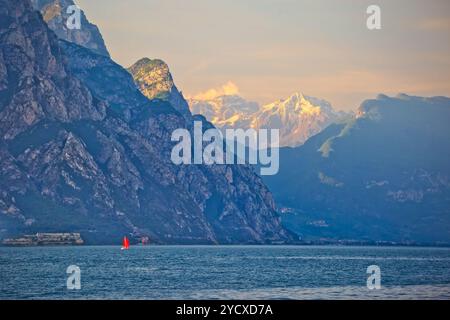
x=224 y=272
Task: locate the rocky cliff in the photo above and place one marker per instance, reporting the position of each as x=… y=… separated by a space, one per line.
x=55 y=14
x=154 y=80
x=82 y=150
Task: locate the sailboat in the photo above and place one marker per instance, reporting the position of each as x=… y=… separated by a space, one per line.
x=125 y=244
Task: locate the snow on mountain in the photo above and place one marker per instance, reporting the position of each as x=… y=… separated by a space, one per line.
x=298 y=118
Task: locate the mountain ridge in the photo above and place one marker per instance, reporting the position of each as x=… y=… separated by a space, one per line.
x=154 y=80
x=298 y=117
x=383 y=176
x=82 y=150
x=54 y=13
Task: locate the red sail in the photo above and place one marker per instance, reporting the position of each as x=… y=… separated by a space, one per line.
x=126 y=243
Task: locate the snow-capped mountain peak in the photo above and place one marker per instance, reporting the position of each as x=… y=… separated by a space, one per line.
x=298 y=117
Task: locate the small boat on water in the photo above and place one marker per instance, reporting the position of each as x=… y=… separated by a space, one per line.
x=145 y=241
x=125 y=244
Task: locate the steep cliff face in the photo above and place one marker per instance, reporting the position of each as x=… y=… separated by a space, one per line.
x=154 y=80
x=82 y=150
x=55 y=14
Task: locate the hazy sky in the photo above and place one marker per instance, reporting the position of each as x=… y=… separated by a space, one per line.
x=272 y=48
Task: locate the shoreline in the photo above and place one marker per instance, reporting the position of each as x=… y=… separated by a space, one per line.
x=443 y=246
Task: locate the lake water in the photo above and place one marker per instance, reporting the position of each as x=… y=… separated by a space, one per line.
x=225 y=272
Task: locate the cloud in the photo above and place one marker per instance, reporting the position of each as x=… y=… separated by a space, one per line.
x=226 y=90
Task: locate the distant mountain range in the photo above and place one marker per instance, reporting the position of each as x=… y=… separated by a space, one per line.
x=379 y=175
x=298 y=117
x=383 y=176
x=82 y=150
x=85 y=148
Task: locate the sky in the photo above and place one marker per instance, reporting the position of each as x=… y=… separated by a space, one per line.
x=267 y=50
